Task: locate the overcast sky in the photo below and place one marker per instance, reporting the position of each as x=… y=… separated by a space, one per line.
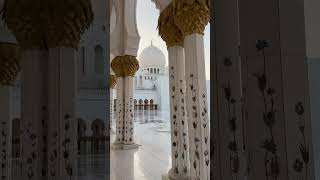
x=147 y=20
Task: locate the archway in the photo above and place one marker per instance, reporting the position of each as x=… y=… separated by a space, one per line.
x=82 y=141
x=151 y=104
x=98 y=137
x=140 y=104
x=146 y=104
x=148 y=99
x=99 y=60
x=135 y=104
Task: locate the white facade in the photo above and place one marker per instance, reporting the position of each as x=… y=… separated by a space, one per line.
x=151 y=82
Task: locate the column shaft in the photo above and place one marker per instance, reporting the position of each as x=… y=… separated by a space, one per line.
x=5 y=132
x=228 y=141
x=179 y=125
x=62 y=140
x=34 y=102
x=196 y=99
x=111 y=105
x=111 y=111
x=119 y=111
x=128 y=117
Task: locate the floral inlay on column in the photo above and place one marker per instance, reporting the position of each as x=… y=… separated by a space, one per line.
x=233 y=145
x=299 y=164
x=271 y=158
x=32 y=157
x=65 y=144
x=3 y=153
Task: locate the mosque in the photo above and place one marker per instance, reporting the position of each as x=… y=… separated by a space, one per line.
x=265 y=96
x=151 y=82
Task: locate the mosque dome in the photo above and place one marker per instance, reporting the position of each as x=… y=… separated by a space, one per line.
x=152 y=56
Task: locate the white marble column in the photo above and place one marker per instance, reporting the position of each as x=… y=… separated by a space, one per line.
x=33 y=113
x=119 y=114
x=128 y=142
x=62 y=127
x=179 y=124
x=228 y=144
x=196 y=99
x=5 y=132
x=125 y=67
x=111 y=111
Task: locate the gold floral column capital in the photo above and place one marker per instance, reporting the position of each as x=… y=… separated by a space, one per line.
x=10 y=63
x=113 y=81
x=168 y=31
x=125 y=65
x=47 y=24
x=191 y=16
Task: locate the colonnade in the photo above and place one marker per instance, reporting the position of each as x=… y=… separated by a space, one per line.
x=47 y=40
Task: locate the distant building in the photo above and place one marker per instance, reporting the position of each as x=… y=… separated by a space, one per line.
x=151 y=83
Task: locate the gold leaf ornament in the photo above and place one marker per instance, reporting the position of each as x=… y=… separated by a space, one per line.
x=125 y=65
x=168 y=31
x=113 y=81
x=191 y=16
x=10 y=63
x=47 y=23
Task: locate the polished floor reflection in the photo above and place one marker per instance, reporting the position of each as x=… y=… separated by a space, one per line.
x=152 y=159
x=149 y=162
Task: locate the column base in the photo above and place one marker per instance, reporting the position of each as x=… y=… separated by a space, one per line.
x=116 y=146
x=120 y=146
x=167 y=177
x=173 y=176
x=130 y=146
x=112 y=132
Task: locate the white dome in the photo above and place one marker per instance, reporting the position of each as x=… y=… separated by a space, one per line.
x=152 y=56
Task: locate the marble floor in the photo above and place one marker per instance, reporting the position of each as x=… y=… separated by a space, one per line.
x=149 y=162
x=152 y=159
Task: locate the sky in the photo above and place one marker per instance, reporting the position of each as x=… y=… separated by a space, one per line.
x=147 y=21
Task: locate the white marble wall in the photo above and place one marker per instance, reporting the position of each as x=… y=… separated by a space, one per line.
x=270 y=82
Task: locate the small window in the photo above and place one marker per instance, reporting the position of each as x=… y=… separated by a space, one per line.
x=140 y=80
x=99 y=60
x=83 y=60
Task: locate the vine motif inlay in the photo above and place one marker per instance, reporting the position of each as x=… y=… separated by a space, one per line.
x=233 y=145
x=65 y=144
x=299 y=164
x=4 y=157
x=271 y=158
